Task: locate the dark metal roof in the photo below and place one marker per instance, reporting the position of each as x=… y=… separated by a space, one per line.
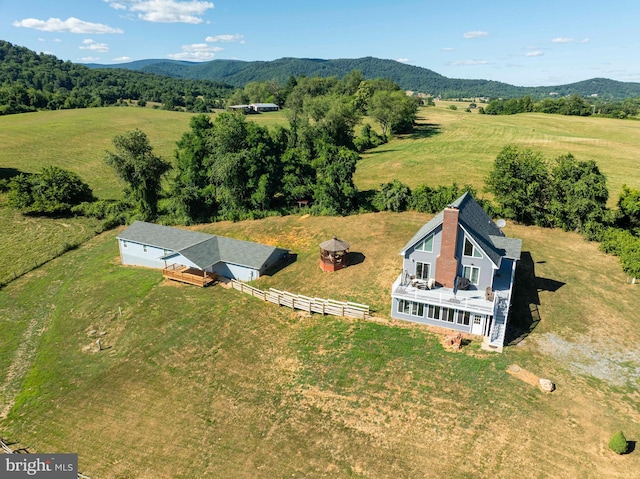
x=202 y=249
x=477 y=223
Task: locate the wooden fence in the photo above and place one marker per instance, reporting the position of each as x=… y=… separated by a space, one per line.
x=305 y=303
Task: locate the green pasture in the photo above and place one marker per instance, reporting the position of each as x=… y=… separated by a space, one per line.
x=77 y=139
x=217 y=383
x=458 y=146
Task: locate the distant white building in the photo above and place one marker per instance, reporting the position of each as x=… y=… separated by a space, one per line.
x=260 y=107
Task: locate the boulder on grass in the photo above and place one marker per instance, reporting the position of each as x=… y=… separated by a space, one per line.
x=547 y=385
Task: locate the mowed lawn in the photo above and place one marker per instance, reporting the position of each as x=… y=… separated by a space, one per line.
x=75 y=140
x=455 y=146
x=214 y=383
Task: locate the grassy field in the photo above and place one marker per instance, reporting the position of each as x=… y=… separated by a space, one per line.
x=458 y=146
x=447 y=146
x=213 y=383
x=75 y=140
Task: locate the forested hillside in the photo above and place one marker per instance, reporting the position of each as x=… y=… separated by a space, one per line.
x=30 y=81
x=408 y=77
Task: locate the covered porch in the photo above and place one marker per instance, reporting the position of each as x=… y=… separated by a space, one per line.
x=186 y=274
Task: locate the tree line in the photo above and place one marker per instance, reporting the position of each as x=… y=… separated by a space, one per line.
x=569 y=194
x=573 y=105
x=31 y=82
x=227 y=167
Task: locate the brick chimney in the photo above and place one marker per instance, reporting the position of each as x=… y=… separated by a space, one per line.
x=446 y=262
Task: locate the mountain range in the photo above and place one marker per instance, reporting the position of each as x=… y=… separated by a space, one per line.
x=422 y=80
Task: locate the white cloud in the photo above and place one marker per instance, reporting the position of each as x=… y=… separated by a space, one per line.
x=568 y=40
x=535 y=53
x=476 y=34
x=225 y=38
x=122 y=59
x=70 y=25
x=463 y=63
x=447 y=49
x=197 y=52
x=164 y=11
x=402 y=60
x=89 y=59
x=93 y=46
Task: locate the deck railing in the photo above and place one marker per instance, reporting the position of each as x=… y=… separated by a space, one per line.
x=188 y=275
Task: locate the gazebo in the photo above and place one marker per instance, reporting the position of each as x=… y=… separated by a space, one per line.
x=334 y=254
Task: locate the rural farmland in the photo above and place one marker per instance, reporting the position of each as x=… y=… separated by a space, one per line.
x=210 y=382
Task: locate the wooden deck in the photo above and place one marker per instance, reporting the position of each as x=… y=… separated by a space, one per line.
x=188 y=275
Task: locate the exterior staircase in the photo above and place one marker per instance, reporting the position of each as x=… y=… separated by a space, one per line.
x=495 y=340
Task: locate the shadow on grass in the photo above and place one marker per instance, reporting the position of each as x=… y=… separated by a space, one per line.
x=8 y=173
x=631 y=446
x=355 y=258
x=525 y=314
x=280 y=265
x=424 y=130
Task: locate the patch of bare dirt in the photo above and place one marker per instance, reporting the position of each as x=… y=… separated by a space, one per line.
x=597 y=357
x=523 y=375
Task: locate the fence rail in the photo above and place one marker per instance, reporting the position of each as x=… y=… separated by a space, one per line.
x=305 y=303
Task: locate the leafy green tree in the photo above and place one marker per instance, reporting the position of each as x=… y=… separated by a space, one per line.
x=392 y=196
x=334 y=191
x=519 y=182
x=432 y=200
x=629 y=206
x=52 y=191
x=578 y=193
x=242 y=164
x=335 y=118
x=192 y=191
x=393 y=110
x=298 y=175
x=135 y=163
x=626 y=246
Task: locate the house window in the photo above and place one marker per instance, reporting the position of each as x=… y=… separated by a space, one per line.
x=433 y=312
x=124 y=243
x=448 y=314
x=463 y=317
x=417 y=309
x=425 y=245
x=423 y=270
x=404 y=306
x=472 y=273
x=144 y=248
x=470 y=250
x=411 y=307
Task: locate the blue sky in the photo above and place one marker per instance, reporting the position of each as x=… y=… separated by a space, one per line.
x=532 y=43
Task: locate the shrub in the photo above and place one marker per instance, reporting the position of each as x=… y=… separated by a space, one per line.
x=618 y=443
x=53 y=190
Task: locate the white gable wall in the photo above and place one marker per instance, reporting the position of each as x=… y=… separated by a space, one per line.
x=141 y=255
x=234 y=271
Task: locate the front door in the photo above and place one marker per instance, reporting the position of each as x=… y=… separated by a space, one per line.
x=477 y=324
